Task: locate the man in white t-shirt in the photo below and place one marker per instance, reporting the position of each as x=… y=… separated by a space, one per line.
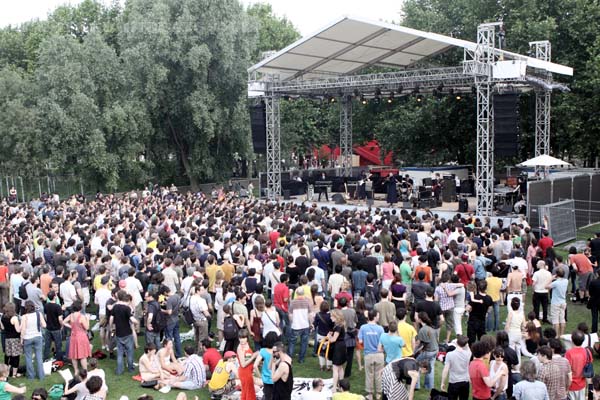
x=317 y=391
x=335 y=281
x=68 y=291
x=171 y=277
x=199 y=309
x=134 y=287
x=102 y=295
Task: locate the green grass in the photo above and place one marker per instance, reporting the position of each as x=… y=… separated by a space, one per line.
x=119 y=385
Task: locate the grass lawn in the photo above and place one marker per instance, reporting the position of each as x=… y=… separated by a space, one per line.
x=124 y=385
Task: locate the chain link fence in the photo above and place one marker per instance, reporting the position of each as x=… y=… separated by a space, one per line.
x=23 y=189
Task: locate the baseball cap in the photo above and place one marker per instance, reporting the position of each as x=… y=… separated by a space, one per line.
x=229 y=354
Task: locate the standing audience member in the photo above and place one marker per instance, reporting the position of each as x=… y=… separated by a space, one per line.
x=479 y=373
x=369 y=335
x=578 y=356
x=456 y=370
x=32 y=323
x=530 y=388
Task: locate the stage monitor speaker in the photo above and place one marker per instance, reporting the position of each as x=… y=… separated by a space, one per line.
x=463 y=205
x=449 y=190
x=287 y=194
x=338 y=198
x=258 y=125
x=506 y=125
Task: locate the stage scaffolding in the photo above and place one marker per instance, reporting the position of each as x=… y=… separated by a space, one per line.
x=474 y=75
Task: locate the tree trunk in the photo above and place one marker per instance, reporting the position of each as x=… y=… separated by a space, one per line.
x=194 y=184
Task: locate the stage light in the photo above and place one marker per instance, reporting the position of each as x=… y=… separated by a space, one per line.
x=391 y=98
x=363 y=100
x=332 y=99
x=458 y=97
x=419 y=98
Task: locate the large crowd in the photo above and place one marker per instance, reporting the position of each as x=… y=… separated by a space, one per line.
x=382 y=294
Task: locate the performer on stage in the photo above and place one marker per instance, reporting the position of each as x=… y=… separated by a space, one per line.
x=323 y=189
x=392 y=192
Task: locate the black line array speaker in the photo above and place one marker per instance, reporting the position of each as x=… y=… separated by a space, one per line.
x=506 y=124
x=258 y=125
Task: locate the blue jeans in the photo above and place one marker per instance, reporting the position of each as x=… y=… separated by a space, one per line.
x=56 y=337
x=125 y=345
x=29 y=346
x=429 y=356
x=284 y=324
x=172 y=332
x=493 y=318
x=303 y=334
x=154 y=338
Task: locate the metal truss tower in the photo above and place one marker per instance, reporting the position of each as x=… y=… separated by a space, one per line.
x=542 y=50
x=483 y=58
x=273 y=146
x=346 y=135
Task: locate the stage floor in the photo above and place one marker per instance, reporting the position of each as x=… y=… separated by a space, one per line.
x=379 y=202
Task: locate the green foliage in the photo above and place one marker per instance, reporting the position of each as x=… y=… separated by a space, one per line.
x=273 y=33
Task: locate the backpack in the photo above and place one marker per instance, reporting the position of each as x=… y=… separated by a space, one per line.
x=370 y=299
x=161 y=321
x=23 y=290
x=230 y=328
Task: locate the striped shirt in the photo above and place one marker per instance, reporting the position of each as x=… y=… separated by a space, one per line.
x=299 y=311
x=391 y=386
x=194 y=370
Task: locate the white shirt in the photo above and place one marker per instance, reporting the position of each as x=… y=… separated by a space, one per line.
x=67 y=293
x=134 y=287
x=313 y=395
x=519 y=262
x=101 y=297
x=541 y=278
x=319 y=277
x=198 y=305
x=171 y=279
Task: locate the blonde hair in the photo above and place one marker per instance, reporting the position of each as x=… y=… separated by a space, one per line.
x=4 y=370
x=338 y=317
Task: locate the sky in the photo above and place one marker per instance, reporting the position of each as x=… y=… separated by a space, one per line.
x=306 y=15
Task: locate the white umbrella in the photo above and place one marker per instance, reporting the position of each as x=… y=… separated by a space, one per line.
x=544 y=161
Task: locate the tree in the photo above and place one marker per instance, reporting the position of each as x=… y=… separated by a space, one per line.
x=273 y=33
x=187 y=61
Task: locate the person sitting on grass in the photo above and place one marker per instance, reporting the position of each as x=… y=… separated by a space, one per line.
x=94 y=387
x=344 y=392
x=194 y=375
x=150 y=368
x=223 y=380
x=5 y=387
x=167 y=360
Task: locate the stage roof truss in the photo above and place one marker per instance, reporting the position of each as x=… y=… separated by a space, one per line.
x=350 y=44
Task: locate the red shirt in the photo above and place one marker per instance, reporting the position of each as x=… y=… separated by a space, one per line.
x=577 y=357
x=4 y=273
x=341 y=294
x=477 y=371
x=545 y=243
x=281 y=296
x=464 y=272
x=582 y=262
x=211 y=358
x=273 y=237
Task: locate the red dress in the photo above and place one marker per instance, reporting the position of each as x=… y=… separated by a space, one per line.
x=246 y=377
x=79 y=345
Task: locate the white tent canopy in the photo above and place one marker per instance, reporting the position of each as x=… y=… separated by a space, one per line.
x=544 y=161
x=350 y=44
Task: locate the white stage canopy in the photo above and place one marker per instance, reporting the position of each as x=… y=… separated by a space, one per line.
x=544 y=161
x=350 y=44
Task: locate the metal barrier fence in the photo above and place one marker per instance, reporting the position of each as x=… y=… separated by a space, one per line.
x=559 y=219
